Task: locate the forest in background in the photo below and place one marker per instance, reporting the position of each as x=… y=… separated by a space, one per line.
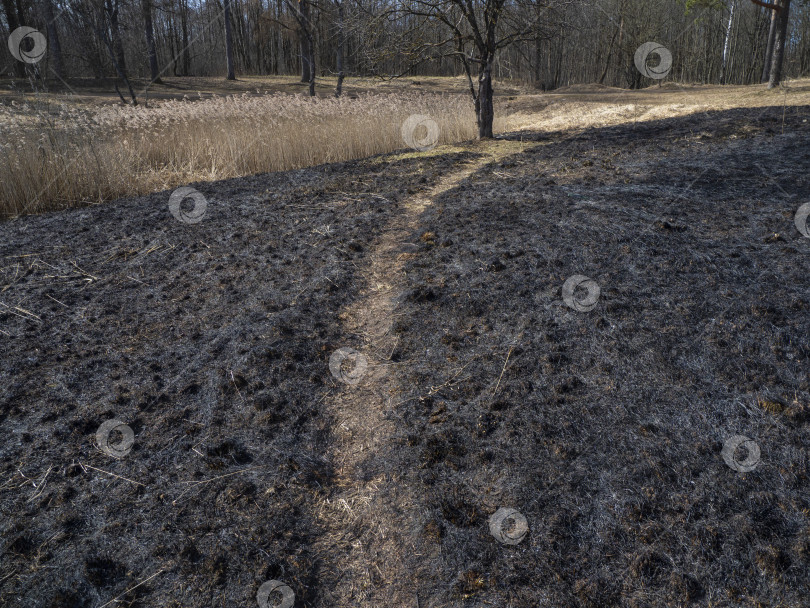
x=552 y=43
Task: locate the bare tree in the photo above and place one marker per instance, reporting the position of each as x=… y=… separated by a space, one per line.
x=101 y=17
x=149 y=31
x=279 y=38
x=54 y=44
x=766 y=67
x=113 y=8
x=779 y=42
x=301 y=10
x=726 y=43
x=477 y=30
x=341 y=46
x=550 y=42
x=14 y=21
x=228 y=41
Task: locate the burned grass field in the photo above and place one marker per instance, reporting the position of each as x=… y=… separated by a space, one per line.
x=603 y=425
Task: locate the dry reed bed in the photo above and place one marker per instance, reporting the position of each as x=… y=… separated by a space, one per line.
x=63 y=156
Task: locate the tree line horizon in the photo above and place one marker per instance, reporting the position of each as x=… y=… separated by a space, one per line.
x=548 y=43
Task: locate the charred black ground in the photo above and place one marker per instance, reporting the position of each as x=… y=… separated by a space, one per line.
x=603 y=428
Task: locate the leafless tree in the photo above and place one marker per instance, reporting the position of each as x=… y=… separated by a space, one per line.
x=476 y=30
x=228 y=41
x=551 y=43
x=302 y=12
x=149 y=32
x=779 y=41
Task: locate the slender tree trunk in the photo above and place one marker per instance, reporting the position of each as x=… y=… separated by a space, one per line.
x=229 y=41
x=149 y=31
x=609 y=54
x=186 y=57
x=243 y=39
x=304 y=58
x=307 y=68
x=311 y=60
x=172 y=36
x=13 y=24
x=725 y=45
x=484 y=107
x=341 y=43
x=54 y=46
x=779 y=45
x=280 y=67
x=118 y=47
x=120 y=70
x=558 y=66
x=766 y=68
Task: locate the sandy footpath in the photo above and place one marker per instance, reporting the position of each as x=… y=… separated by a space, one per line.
x=600 y=408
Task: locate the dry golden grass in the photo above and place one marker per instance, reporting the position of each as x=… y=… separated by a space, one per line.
x=63 y=155
x=65 y=151
x=595 y=106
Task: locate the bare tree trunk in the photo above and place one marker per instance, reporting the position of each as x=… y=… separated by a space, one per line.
x=766 y=68
x=484 y=107
x=610 y=52
x=726 y=43
x=13 y=24
x=307 y=67
x=341 y=43
x=229 y=41
x=242 y=36
x=118 y=47
x=280 y=67
x=186 y=57
x=305 y=33
x=119 y=69
x=172 y=36
x=149 y=31
x=304 y=59
x=54 y=46
x=779 y=45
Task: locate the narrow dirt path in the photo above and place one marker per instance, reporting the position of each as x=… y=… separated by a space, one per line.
x=373 y=522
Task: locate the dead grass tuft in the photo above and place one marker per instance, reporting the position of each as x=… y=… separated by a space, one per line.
x=62 y=156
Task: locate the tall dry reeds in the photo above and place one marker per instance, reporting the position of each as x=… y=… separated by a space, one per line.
x=61 y=156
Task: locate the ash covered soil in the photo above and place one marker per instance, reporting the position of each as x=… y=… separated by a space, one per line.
x=603 y=427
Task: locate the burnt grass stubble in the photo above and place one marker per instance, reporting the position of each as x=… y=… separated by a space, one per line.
x=604 y=428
